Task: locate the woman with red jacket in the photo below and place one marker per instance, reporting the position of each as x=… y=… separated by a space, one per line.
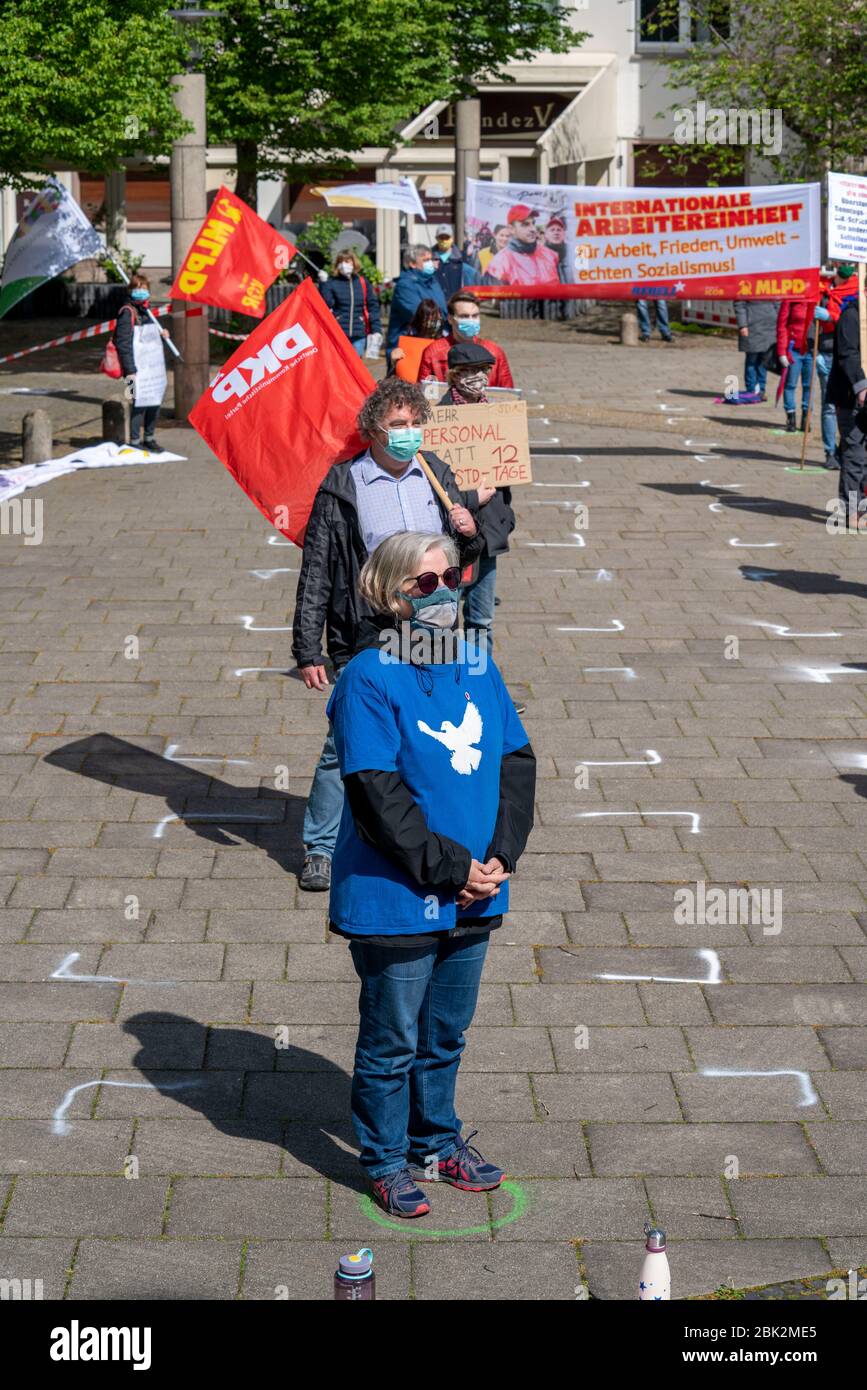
x=795 y=351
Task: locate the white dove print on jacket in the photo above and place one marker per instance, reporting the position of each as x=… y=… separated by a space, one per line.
x=465 y=759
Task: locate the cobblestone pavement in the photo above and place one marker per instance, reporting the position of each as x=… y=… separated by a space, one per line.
x=697 y=648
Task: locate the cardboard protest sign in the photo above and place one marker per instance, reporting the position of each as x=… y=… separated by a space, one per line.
x=482 y=444
x=847 y=217
x=235 y=257
x=283 y=408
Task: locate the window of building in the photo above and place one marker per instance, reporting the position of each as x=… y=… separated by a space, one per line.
x=677 y=23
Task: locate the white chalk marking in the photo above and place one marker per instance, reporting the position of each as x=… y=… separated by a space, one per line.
x=673 y=409
x=171 y=756
x=552 y=440
x=729 y=487
x=277 y=540
x=754 y=545
x=584 y=484
x=604 y=575
x=808 y=1093
x=269 y=574
x=558 y=545
x=251 y=670
x=628 y=673
x=710 y=958
x=707 y=458
x=822 y=674
x=63 y=973
x=784 y=631
x=248 y=622
x=228 y=817
x=693 y=816
x=616 y=626
x=545 y=502
x=714 y=506
x=650 y=759
x=700 y=444
x=61 y=1126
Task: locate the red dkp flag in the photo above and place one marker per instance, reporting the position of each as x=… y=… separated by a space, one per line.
x=235 y=257
x=283 y=408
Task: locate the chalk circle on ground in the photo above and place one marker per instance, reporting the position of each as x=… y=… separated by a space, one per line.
x=517 y=1209
x=808 y=468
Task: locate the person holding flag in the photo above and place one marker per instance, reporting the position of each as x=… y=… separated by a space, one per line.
x=353 y=302
x=139 y=342
x=358 y=504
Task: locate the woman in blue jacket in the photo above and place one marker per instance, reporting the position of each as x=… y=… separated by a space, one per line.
x=353 y=302
x=439 y=779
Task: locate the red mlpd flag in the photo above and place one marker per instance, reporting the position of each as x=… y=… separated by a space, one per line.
x=235 y=257
x=283 y=408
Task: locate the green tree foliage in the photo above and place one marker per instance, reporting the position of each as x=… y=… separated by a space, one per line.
x=806 y=59
x=486 y=35
x=85 y=84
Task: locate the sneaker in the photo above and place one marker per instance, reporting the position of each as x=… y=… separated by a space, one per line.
x=316 y=873
x=832 y=463
x=465 y=1168
x=398 y=1195
x=153 y=446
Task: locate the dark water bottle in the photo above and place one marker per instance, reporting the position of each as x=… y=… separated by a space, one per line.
x=355 y=1277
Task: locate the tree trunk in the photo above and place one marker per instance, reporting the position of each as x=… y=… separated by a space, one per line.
x=247 y=155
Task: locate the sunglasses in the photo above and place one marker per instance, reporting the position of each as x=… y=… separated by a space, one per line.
x=429 y=581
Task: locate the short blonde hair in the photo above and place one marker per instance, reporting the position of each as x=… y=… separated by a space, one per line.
x=346 y=256
x=396 y=559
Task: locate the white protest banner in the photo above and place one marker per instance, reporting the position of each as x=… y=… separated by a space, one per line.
x=52 y=235
x=150 y=365
x=847 y=217
x=482 y=444
x=106 y=455
x=568 y=242
x=395 y=197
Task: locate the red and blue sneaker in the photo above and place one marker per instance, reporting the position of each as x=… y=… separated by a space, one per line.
x=465 y=1168
x=398 y=1195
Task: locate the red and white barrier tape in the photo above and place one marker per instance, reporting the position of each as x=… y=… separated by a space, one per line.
x=218 y=333
x=105 y=327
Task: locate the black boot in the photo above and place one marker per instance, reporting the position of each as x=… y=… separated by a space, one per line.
x=791 y=427
x=803 y=424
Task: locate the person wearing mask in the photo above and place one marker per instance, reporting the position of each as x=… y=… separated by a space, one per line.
x=416 y=282
x=139 y=342
x=470 y=368
x=847 y=390
x=523 y=260
x=354 y=303
x=642 y=309
x=440 y=783
x=427 y=325
x=453 y=272
x=795 y=353
x=464 y=326
x=757 y=332
x=842 y=281
x=359 y=503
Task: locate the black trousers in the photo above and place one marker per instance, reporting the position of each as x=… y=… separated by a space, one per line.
x=139 y=413
x=853 y=456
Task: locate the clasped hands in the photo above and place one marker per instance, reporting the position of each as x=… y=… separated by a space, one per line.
x=483 y=882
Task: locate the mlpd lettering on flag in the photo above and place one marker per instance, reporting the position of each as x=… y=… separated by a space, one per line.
x=235 y=257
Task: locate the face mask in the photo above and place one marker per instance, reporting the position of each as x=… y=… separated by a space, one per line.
x=139 y=296
x=468 y=328
x=346 y=267
x=440 y=608
x=444 y=246
x=403 y=443
x=845 y=272
x=428 y=268
x=472 y=385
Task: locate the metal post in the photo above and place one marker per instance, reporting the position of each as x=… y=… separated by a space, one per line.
x=468 y=139
x=189 y=206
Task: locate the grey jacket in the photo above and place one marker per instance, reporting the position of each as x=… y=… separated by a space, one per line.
x=760 y=317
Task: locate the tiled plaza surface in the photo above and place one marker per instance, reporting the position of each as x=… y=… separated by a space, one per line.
x=698 y=648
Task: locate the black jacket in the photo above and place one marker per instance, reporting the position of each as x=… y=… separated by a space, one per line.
x=347 y=297
x=127 y=318
x=334 y=551
x=388 y=817
x=847 y=378
x=496 y=520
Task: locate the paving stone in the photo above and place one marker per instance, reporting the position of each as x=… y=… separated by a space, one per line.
x=546 y=1270
x=45 y=1260
x=60 y=1206
x=33 y=1044
x=688 y=1149
x=817 y=1206
x=304 y=1270
x=90 y=1146
x=608 y=1096
x=841 y=1147
x=702 y=1266
x=575 y=1209
x=620 y=1049
x=148 y=1270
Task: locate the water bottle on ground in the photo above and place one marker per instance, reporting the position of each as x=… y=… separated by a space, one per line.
x=654 y=1284
x=354 y=1277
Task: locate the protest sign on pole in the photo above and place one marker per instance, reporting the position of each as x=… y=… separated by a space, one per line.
x=569 y=242
x=847 y=234
x=482 y=444
x=235 y=256
x=52 y=235
x=396 y=197
x=282 y=410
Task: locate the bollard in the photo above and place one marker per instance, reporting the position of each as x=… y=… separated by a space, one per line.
x=37 y=443
x=115 y=421
x=629 y=328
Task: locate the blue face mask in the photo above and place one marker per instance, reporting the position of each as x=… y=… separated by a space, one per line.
x=429 y=268
x=403 y=443
x=440 y=608
x=139 y=296
x=468 y=328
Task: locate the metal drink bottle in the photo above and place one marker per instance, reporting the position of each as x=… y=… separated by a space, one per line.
x=654 y=1284
x=354 y=1277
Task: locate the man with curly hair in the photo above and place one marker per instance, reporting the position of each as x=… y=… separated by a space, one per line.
x=359 y=503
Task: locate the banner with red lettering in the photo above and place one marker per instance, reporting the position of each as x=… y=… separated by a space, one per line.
x=282 y=410
x=235 y=257
x=559 y=241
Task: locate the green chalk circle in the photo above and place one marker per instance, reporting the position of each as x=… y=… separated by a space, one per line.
x=793 y=468
x=517 y=1209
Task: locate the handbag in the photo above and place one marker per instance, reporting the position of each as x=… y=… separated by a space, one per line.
x=110 y=361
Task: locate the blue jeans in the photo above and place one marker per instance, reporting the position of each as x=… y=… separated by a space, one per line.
x=414 y=1004
x=800 y=369
x=479 y=602
x=643 y=311
x=148 y=414
x=359 y=344
x=755 y=372
x=324 y=800
x=829 y=412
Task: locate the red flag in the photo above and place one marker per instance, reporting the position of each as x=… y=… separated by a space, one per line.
x=234 y=258
x=283 y=408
